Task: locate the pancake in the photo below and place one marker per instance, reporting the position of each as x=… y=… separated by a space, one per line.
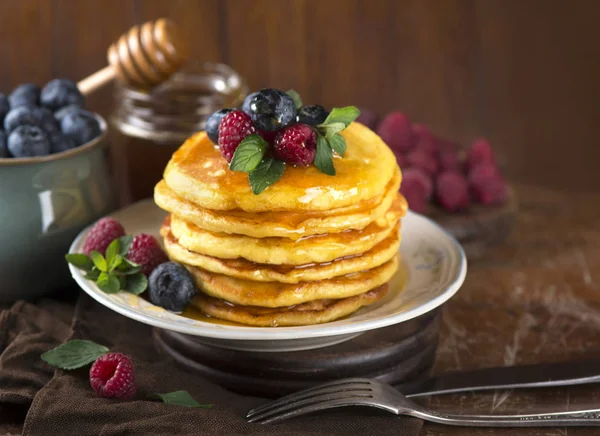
x=293 y=225
x=314 y=312
x=198 y=173
x=244 y=269
x=283 y=251
x=275 y=294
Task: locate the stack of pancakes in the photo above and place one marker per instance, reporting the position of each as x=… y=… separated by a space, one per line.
x=309 y=249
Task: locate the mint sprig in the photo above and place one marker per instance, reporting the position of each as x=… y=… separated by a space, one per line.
x=329 y=138
x=296 y=97
x=180 y=398
x=248 y=154
x=265 y=174
x=113 y=271
x=74 y=354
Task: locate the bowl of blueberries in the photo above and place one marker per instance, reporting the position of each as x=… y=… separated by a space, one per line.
x=54 y=181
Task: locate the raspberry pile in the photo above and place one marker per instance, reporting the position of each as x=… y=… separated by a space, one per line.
x=289 y=129
x=435 y=170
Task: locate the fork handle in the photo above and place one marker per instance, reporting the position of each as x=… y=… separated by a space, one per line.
x=566 y=419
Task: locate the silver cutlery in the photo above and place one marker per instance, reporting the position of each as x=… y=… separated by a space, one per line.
x=372 y=393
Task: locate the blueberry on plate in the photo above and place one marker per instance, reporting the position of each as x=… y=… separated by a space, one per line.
x=312 y=115
x=20 y=116
x=4 y=107
x=171 y=286
x=270 y=109
x=27 y=94
x=81 y=126
x=60 y=142
x=59 y=93
x=212 y=124
x=28 y=141
x=3 y=147
x=60 y=114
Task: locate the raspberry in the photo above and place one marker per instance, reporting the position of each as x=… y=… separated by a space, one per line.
x=368 y=117
x=401 y=160
x=448 y=160
x=452 y=191
x=480 y=152
x=233 y=128
x=112 y=376
x=102 y=234
x=296 y=145
x=146 y=251
x=396 y=132
x=487 y=185
x=417 y=188
x=424 y=139
x=424 y=161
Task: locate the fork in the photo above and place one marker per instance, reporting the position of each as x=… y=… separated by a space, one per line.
x=372 y=393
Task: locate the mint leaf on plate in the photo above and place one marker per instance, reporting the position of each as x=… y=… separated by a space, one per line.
x=99 y=261
x=112 y=252
x=266 y=173
x=324 y=156
x=74 y=354
x=296 y=97
x=80 y=261
x=181 y=398
x=342 y=115
x=338 y=144
x=136 y=283
x=93 y=274
x=248 y=154
x=108 y=282
x=125 y=242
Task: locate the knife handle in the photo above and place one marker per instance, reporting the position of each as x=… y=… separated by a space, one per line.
x=508 y=377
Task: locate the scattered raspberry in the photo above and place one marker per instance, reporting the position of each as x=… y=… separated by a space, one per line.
x=112 y=376
x=424 y=161
x=449 y=160
x=401 y=161
x=368 y=117
x=146 y=251
x=424 y=139
x=417 y=188
x=479 y=153
x=296 y=145
x=452 y=191
x=102 y=234
x=268 y=136
x=233 y=128
x=487 y=185
x=396 y=132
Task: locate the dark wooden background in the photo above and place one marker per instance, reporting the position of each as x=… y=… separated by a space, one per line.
x=524 y=73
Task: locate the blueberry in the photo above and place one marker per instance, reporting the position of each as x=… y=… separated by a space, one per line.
x=171 y=286
x=212 y=124
x=46 y=120
x=60 y=142
x=59 y=93
x=3 y=147
x=312 y=115
x=19 y=116
x=270 y=109
x=28 y=141
x=27 y=94
x=60 y=114
x=81 y=126
x=4 y=107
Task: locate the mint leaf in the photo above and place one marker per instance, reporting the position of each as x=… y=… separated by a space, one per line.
x=108 y=283
x=99 y=261
x=122 y=281
x=93 y=274
x=136 y=283
x=125 y=242
x=342 y=115
x=111 y=252
x=181 y=398
x=128 y=267
x=80 y=260
x=266 y=173
x=329 y=130
x=248 y=154
x=324 y=156
x=296 y=97
x=338 y=144
x=74 y=354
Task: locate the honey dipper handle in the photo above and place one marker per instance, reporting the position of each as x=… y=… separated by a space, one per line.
x=96 y=80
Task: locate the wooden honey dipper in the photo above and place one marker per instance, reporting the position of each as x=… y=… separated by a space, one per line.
x=144 y=57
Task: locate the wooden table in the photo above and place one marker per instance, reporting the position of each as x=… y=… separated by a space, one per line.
x=534 y=299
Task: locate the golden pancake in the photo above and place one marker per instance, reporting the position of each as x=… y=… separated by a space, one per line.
x=244 y=269
x=275 y=294
x=293 y=225
x=198 y=173
x=314 y=312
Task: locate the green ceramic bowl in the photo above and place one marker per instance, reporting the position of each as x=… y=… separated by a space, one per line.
x=44 y=204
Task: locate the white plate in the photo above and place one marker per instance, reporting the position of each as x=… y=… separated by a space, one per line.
x=436 y=267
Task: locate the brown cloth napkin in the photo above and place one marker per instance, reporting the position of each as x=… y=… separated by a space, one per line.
x=63 y=403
